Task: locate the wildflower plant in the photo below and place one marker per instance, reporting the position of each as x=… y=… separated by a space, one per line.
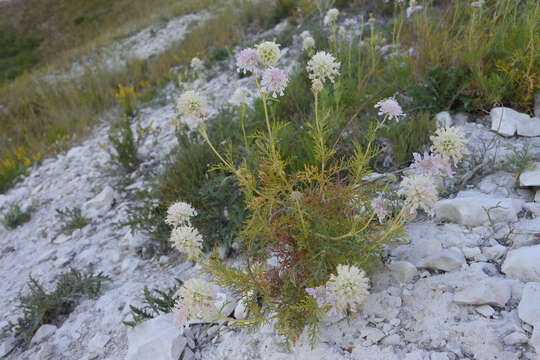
x=302 y=230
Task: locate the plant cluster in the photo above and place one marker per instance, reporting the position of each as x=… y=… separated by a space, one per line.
x=155 y=302
x=71 y=219
x=313 y=232
x=15 y=216
x=40 y=306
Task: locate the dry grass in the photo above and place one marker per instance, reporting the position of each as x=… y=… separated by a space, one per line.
x=45 y=117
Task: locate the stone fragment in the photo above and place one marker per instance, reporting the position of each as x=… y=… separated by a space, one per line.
x=446 y=260
x=489 y=292
x=443 y=119
x=537 y=105
x=531 y=177
x=240 y=311
x=529 y=311
x=98 y=342
x=156 y=339
x=515 y=338
x=505 y=121
x=7 y=345
x=101 y=203
x=403 y=271
x=485 y=310
x=473 y=210
x=494 y=252
x=43 y=333
x=393 y=339
x=523 y=263
x=529 y=306
x=530 y=127
x=372 y=334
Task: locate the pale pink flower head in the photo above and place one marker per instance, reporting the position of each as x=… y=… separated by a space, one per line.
x=350 y=22
x=322 y=297
x=379 y=208
x=246 y=61
x=390 y=107
x=431 y=165
x=274 y=80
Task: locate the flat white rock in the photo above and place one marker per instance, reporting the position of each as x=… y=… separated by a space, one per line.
x=505 y=121
x=523 y=264
x=489 y=292
x=156 y=339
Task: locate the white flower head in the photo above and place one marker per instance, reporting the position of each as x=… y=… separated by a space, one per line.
x=196 y=299
x=192 y=105
x=331 y=16
x=341 y=31
x=420 y=192
x=268 y=53
x=308 y=43
x=390 y=107
x=349 y=288
x=323 y=66
x=240 y=96
x=179 y=213
x=188 y=240
x=246 y=61
x=196 y=64
x=449 y=142
x=274 y=81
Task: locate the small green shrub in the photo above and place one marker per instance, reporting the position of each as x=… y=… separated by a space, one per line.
x=42 y=307
x=15 y=217
x=18 y=53
x=71 y=219
x=155 y=302
x=409 y=135
x=440 y=89
x=189 y=176
x=125 y=144
x=520 y=160
x=218 y=54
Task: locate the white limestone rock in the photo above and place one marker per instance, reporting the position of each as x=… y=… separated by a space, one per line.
x=443 y=119
x=101 y=203
x=530 y=127
x=445 y=260
x=156 y=339
x=529 y=311
x=515 y=338
x=494 y=252
x=403 y=271
x=523 y=263
x=505 y=121
x=489 y=292
x=530 y=177
x=43 y=333
x=473 y=210
x=485 y=310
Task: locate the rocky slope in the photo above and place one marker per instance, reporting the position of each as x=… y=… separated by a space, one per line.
x=463 y=285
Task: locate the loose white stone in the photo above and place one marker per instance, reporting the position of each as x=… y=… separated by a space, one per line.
x=98 y=343
x=515 y=338
x=240 y=311
x=7 y=345
x=403 y=271
x=529 y=311
x=372 y=334
x=473 y=210
x=494 y=252
x=537 y=196
x=101 y=203
x=485 y=310
x=443 y=119
x=523 y=263
x=156 y=339
x=531 y=177
x=489 y=292
x=393 y=339
x=529 y=306
x=446 y=260
x=44 y=332
x=505 y=121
